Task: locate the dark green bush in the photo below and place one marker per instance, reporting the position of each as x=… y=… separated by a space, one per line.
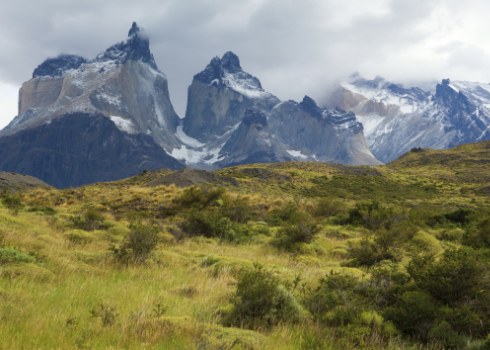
x=106 y=313
x=12 y=202
x=11 y=255
x=261 y=301
x=140 y=243
x=459 y=217
x=301 y=230
x=336 y=301
x=371 y=251
x=413 y=314
x=327 y=207
x=478 y=235
x=211 y=223
x=89 y=220
x=289 y=212
x=371 y=215
x=238 y=210
x=459 y=274
x=200 y=197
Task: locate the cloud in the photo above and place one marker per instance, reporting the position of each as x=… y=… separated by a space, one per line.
x=294 y=47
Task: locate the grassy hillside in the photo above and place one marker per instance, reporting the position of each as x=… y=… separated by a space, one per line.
x=266 y=256
x=14 y=182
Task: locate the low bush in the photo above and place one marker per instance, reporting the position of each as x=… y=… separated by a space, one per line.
x=335 y=302
x=327 y=207
x=478 y=235
x=199 y=197
x=373 y=249
x=89 y=220
x=301 y=230
x=261 y=301
x=211 y=223
x=106 y=313
x=12 y=202
x=11 y=255
x=285 y=214
x=459 y=217
x=138 y=245
x=371 y=215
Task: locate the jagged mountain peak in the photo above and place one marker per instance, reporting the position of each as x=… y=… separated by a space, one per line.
x=57 y=66
x=134 y=30
x=231 y=62
x=449 y=96
x=310 y=106
x=136 y=47
x=218 y=68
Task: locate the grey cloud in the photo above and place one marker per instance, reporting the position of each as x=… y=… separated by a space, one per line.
x=294 y=47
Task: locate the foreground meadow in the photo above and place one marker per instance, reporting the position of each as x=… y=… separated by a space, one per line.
x=283 y=256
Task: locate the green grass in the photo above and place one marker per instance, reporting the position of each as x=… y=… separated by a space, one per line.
x=56 y=274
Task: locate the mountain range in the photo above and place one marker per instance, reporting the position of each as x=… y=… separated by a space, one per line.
x=87 y=120
x=397 y=119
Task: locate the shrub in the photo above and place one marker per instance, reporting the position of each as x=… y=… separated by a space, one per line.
x=211 y=223
x=140 y=243
x=90 y=220
x=285 y=214
x=413 y=313
x=12 y=202
x=478 y=236
x=327 y=207
x=261 y=301
x=237 y=209
x=458 y=217
x=106 y=313
x=301 y=230
x=11 y=255
x=458 y=275
x=335 y=301
x=200 y=197
x=370 y=251
x=371 y=215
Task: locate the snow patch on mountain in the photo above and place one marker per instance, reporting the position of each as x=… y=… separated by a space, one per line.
x=245 y=85
x=370 y=122
x=124 y=125
x=199 y=156
x=297 y=154
x=190 y=141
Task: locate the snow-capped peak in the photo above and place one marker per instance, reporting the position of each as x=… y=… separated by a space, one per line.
x=227 y=72
x=136 y=47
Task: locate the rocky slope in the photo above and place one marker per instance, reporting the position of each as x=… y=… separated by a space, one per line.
x=397 y=119
x=79 y=149
x=13 y=182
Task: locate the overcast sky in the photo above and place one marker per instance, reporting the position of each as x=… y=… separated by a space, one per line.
x=295 y=47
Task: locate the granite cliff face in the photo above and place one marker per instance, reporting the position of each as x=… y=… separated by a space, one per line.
x=82 y=121
x=317 y=134
x=79 y=149
x=231 y=120
x=220 y=95
x=397 y=119
x=123 y=83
